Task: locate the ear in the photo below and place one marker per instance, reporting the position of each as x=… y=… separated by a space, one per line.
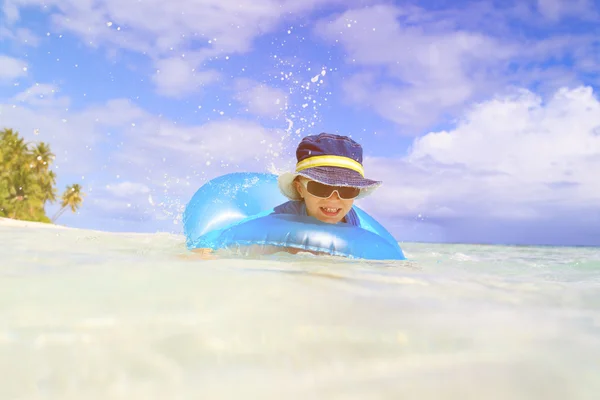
x=299 y=188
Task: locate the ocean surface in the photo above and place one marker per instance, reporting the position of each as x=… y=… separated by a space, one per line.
x=93 y=315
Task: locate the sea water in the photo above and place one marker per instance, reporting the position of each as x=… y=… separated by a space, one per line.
x=97 y=315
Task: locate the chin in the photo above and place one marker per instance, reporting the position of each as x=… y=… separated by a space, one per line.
x=330 y=221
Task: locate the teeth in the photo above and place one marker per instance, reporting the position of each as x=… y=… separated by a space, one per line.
x=330 y=210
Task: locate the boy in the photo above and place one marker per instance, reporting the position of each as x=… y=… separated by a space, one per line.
x=328 y=177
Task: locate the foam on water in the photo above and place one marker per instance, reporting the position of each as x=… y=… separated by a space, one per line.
x=93 y=315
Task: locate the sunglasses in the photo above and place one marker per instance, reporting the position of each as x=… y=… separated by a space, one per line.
x=323 y=191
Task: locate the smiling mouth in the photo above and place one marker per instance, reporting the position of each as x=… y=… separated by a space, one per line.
x=330 y=211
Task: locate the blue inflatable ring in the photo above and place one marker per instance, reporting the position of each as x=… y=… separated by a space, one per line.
x=235 y=210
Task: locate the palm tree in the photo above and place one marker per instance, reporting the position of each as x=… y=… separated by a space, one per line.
x=72 y=197
x=14 y=151
x=26 y=181
x=18 y=186
x=24 y=194
x=43 y=157
x=47 y=182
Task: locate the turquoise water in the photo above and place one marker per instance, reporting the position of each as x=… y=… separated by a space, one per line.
x=93 y=315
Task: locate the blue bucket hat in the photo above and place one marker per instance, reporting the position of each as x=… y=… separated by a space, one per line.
x=329 y=159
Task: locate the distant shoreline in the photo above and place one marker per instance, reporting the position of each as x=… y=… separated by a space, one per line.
x=17 y=223
x=25 y=224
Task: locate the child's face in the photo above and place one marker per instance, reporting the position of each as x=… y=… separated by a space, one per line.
x=331 y=210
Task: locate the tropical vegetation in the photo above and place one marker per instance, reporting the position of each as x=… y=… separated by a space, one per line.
x=27 y=183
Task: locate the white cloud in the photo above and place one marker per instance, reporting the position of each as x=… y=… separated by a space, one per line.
x=42 y=95
x=217 y=145
x=72 y=135
x=260 y=99
x=12 y=68
x=159 y=29
x=127 y=189
x=431 y=66
x=419 y=67
x=555 y=10
x=11 y=11
x=174 y=160
x=20 y=35
x=513 y=158
x=177 y=77
x=115 y=209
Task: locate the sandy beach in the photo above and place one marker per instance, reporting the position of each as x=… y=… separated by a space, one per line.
x=29 y=224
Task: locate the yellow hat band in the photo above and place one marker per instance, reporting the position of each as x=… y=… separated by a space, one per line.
x=330 y=161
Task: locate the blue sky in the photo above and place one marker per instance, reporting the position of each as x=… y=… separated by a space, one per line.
x=482 y=118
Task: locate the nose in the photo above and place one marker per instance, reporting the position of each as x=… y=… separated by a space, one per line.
x=336 y=194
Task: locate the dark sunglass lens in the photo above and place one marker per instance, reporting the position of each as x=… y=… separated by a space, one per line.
x=348 y=192
x=320 y=190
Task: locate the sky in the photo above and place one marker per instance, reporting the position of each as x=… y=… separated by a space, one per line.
x=482 y=118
